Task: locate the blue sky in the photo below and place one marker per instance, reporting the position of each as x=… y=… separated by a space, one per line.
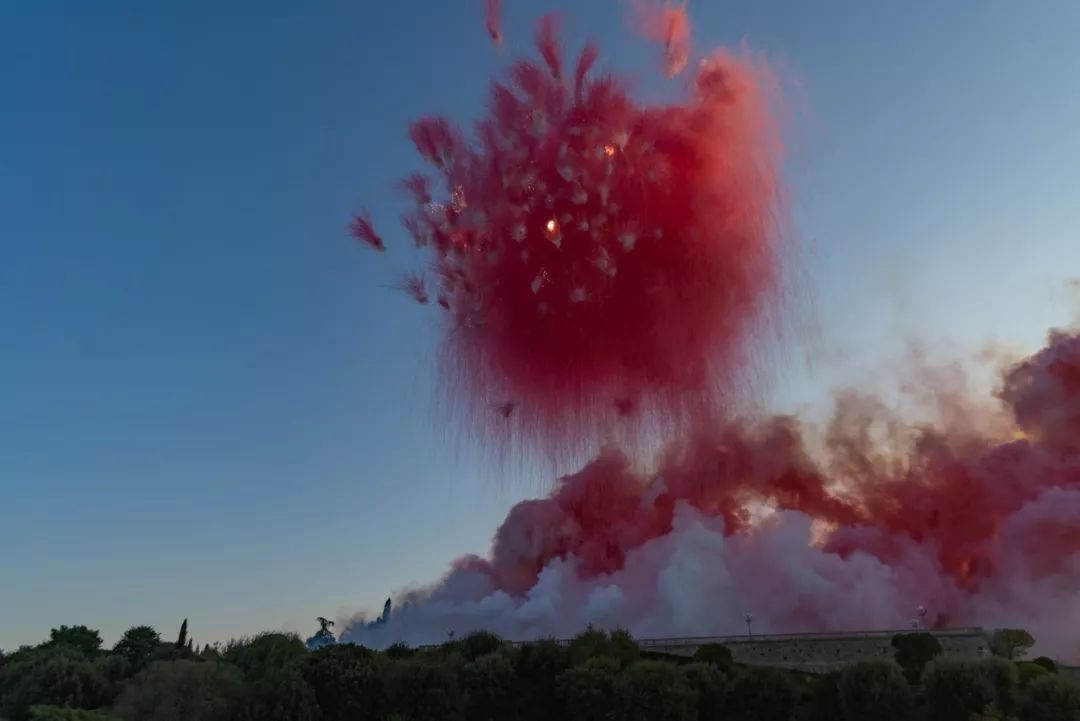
x=211 y=406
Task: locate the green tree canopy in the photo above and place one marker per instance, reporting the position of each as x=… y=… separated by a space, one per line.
x=266 y=652
x=488 y=683
x=537 y=668
x=956 y=688
x=80 y=638
x=711 y=687
x=62 y=713
x=592 y=643
x=589 y=689
x=914 y=651
x=277 y=695
x=655 y=691
x=763 y=694
x=875 y=691
x=1050 y=698
x=716 y=654
x=1011 y=643
x=138 y=645
x=347 y=681
x=59 y=675
x=182 y=691
x=425 y=688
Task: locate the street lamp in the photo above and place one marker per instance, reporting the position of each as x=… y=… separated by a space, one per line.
x=749 y=631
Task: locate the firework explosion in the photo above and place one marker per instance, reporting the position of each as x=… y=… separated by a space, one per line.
x=602 y=263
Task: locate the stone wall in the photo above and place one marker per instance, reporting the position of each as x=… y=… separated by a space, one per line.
x=821 y=652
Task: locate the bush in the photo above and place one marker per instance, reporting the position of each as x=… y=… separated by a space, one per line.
x=477 y=644
x=716 y=654
x=537 y=669
x=823 y=702
x=914 y=651
x=711 y=687
x=425 y=688
x=762 y=694
x=399 y=650
x=264 y=653
x=591 y=644
x=279 y=695
x=347 y=681
x=1028 y=672
x=956 y=689
x=50 y=676
x=655 y=691
x=181 y=691
x=489 y=688
x=875 y=691
x=1050 y=698
x=588 y=689
x=1047 y=663
x=62 y=713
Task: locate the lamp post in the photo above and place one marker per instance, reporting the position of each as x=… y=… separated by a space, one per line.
x=749 y=630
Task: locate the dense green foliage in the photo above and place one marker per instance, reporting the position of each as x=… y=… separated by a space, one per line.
x=597 y=676
x=875 y=691
x=914 y=651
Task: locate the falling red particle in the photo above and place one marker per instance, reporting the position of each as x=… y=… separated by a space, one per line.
x=363 y=231
x=413 y=284
x=493 y=11
x=669 y=25
x=587 y=244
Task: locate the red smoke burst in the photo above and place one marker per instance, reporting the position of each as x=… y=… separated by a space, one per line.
x=604 y=262
x=668 y=24
x=982 y=530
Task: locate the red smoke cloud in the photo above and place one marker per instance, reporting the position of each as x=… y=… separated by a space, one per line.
x=981 y=530
x=604 y=264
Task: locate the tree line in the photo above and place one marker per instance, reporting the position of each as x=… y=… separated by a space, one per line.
x=597 y=676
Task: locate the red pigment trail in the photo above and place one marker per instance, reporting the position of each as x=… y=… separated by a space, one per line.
x=669 y=25
x=980 y=530
x=603 y=263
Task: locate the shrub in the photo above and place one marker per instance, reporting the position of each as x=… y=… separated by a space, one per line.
x=955 y=689
x=279 y=695
x=50 y=676
x=824 y=702
x=875 y=691
x=1047 y=663
x=399 y=650
x=1028 y=672
x=711 y=687
x=62 y=713
x=425 y=688
x=264 y=653
x=1050 y=698
x=537 y=669
x=654 y=691
x=479 y=643
x=489 y=688
x=181 y=691
x=716 y=654
x=347 y=681
x=597 y=644
x=914 y=651
x=588 y=689
x=762 y=694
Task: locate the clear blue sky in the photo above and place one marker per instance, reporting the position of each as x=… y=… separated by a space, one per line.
x=211 y=406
